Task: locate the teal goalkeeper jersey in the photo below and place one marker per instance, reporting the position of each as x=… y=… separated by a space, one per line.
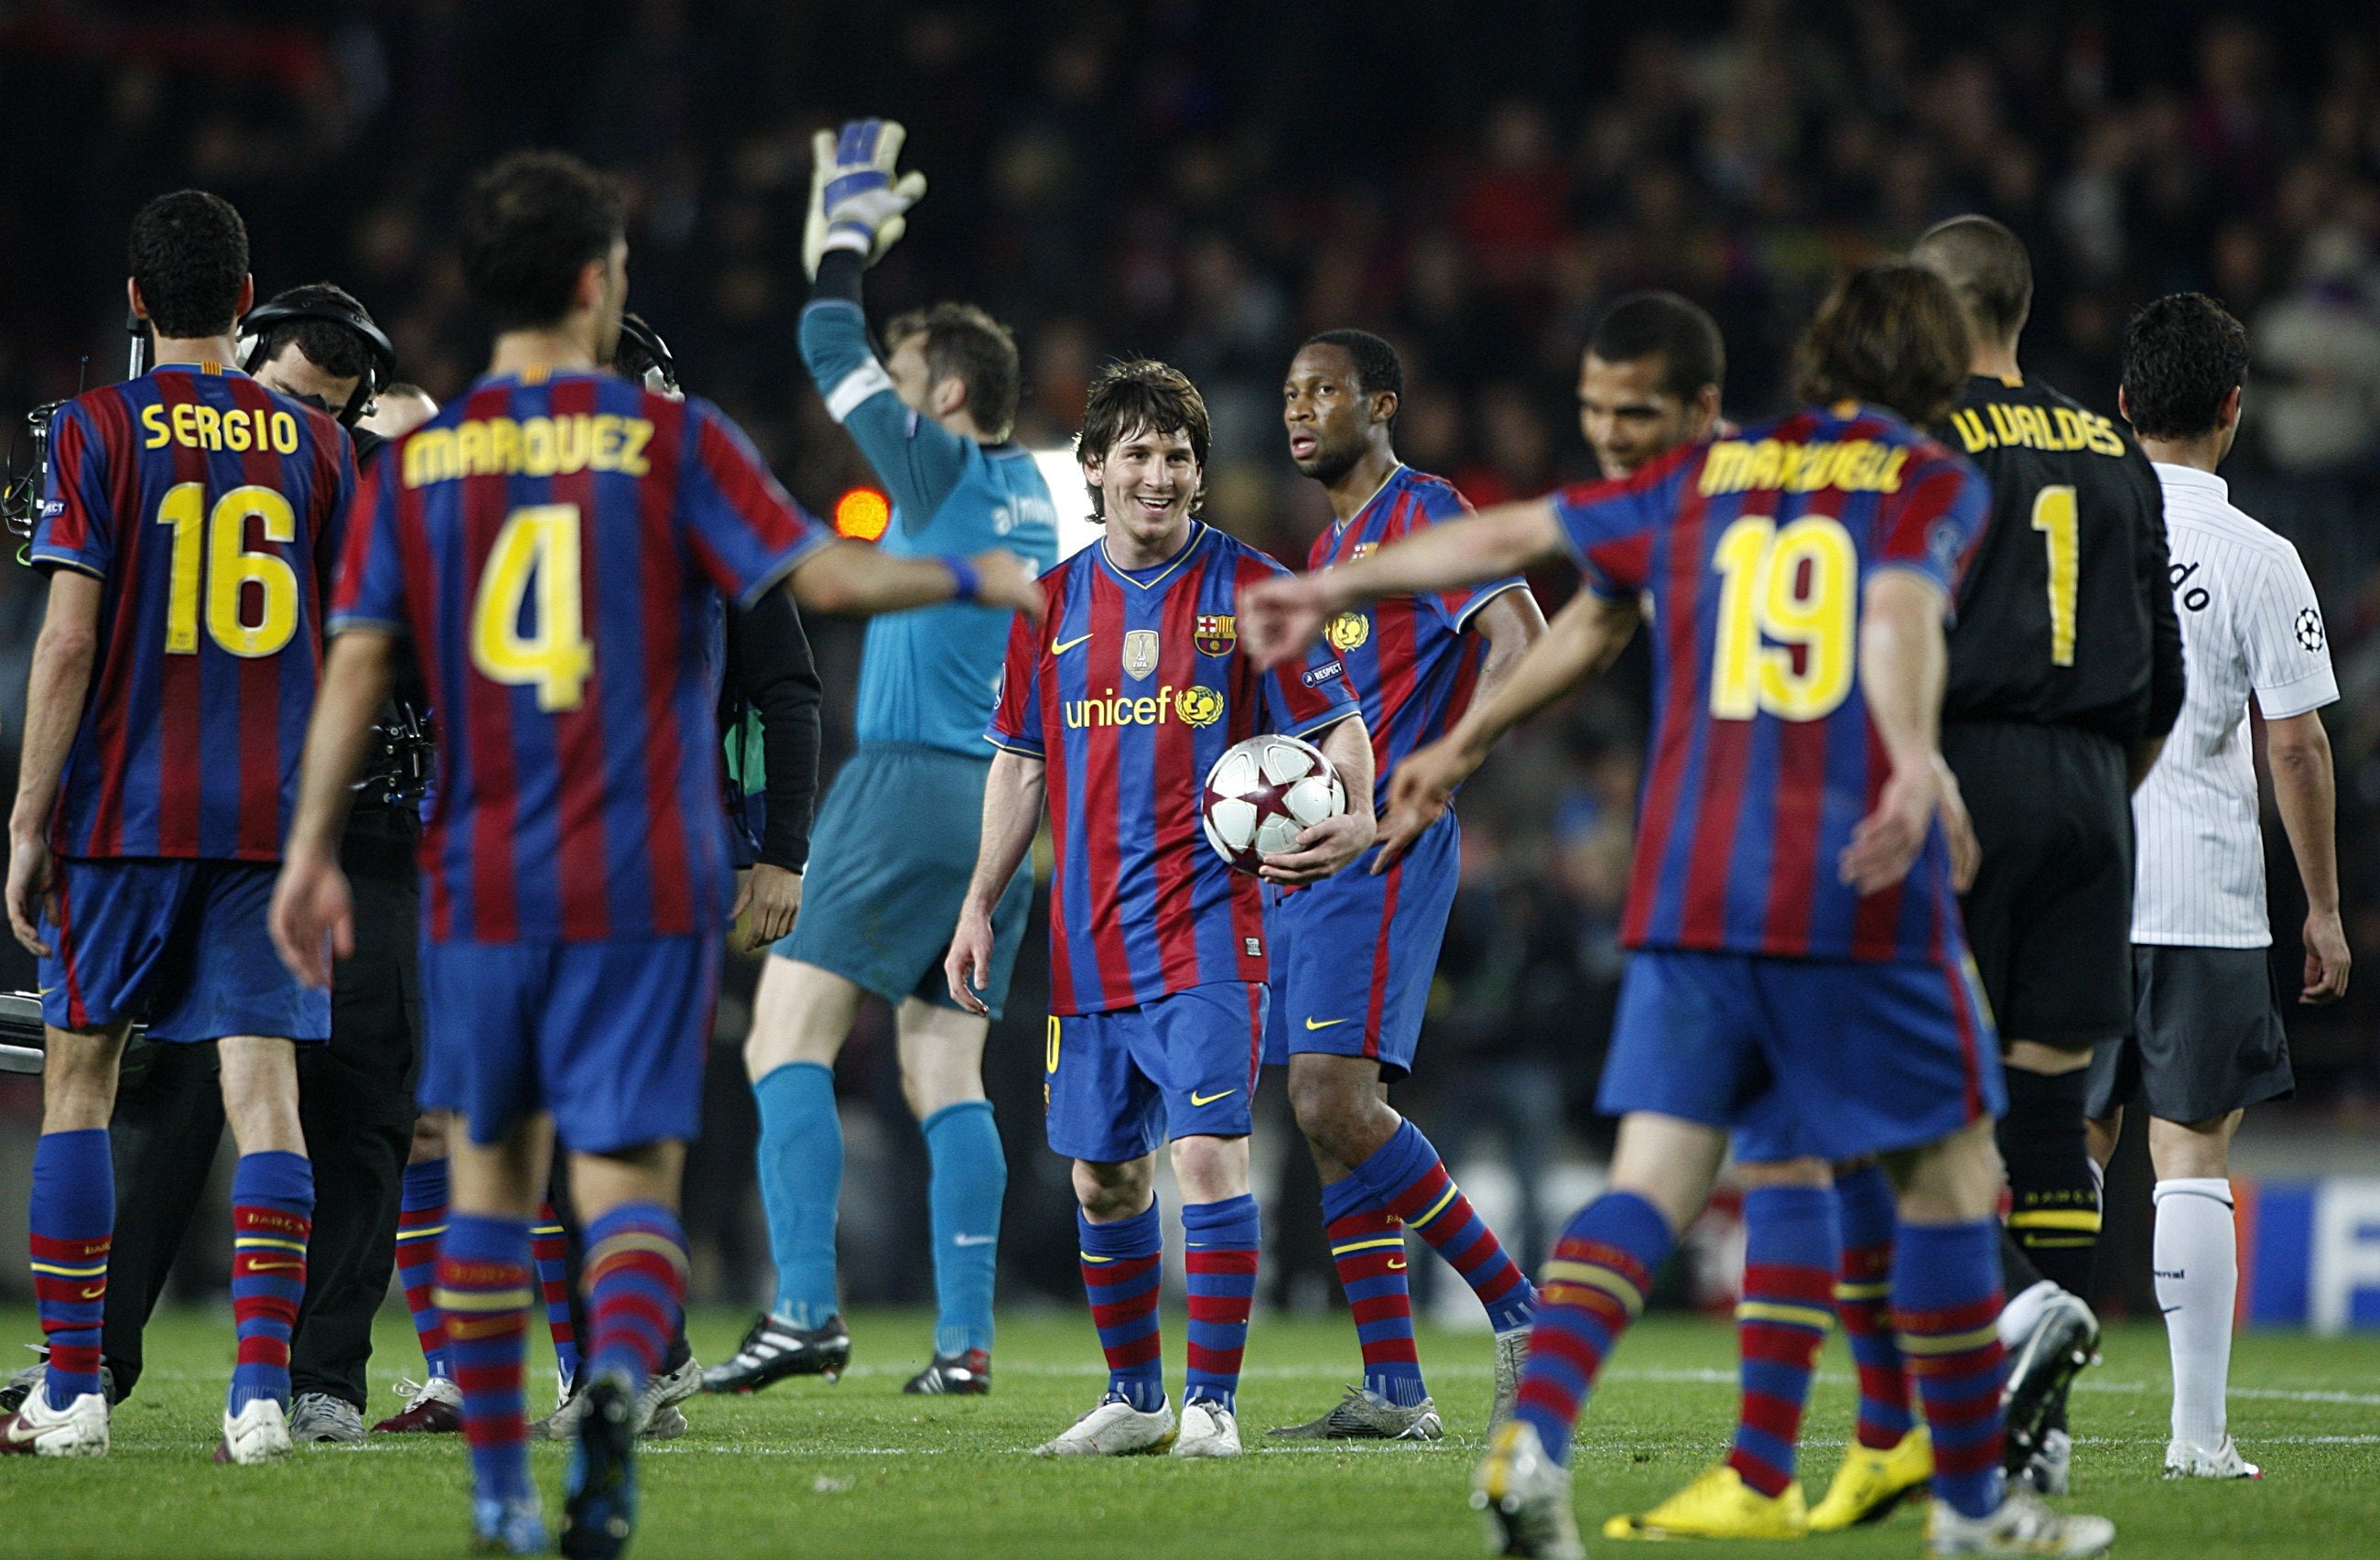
x=929 y=676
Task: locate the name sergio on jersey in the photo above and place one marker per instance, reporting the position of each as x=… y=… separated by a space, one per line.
x=1194 y=706
x=194 y=426
x=1775 y=464
x=531 y=447
x=2014 y=426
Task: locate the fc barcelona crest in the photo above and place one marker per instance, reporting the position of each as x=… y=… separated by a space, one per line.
x=1217 y=634
x=1140 y=652
x=1362 y=550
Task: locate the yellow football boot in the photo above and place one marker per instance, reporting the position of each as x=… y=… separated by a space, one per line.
x=1719 y=1504
x=1870 y=1483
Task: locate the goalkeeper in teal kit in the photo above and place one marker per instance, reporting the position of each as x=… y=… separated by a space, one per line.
x=896 y=838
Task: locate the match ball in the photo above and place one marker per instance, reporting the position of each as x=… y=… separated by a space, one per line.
x=1263 y=793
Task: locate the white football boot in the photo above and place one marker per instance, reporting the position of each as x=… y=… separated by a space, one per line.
x=2022 y=1526
x=1525 y=1495
x=1114 y=1428
x=1512 y=1358
x=78 y=1429
x=2184 y=1460
x=1208 y=1429
x=258 y=1433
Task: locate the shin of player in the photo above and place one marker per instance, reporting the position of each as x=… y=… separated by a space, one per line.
x=1352 y=956
x=897 y=834
x=569 y=988
x=1112 y=714
x=136 y=884
x=2208 y=1039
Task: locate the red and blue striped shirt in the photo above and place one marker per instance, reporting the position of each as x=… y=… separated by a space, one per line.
x=1755 y=551
x=558 y=548
x=1129 y=693
x=1407 y=657
x=208 y=508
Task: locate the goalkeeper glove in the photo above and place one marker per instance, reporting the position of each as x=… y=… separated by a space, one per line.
x=857 y=202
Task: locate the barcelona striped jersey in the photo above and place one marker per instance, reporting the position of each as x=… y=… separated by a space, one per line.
x=1755 y=550
x=208 y=508
x=1129 y=693
x=1407 y=657
x=558 y=548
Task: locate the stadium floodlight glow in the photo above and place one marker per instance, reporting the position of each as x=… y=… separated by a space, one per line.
x=1076 y=528
x=863 y=513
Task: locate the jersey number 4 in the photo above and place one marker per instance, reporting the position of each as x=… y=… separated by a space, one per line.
x=1787 y=611
x=538 y=548
x=229 y=569
x=2056 y=516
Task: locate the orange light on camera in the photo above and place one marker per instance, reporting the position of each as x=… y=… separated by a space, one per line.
x=862 y=512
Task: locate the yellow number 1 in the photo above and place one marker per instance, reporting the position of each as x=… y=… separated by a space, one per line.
x=2056 y=516
x=539 y=542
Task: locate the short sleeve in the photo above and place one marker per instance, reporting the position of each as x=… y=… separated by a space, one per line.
x=1304 y=697
x=744 y=530
x=368 y=588
x=1437 y=503
x=1609 y=526
x=75 y=528
x=1932 y=525
x=1016 y=716
x=2287 y=646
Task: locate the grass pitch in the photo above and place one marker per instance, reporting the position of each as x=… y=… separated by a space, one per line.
x=857 y=1470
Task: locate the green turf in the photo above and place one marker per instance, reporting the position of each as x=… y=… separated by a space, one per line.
x=857 y=1470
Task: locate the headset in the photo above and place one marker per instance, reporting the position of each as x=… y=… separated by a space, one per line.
x=380 y=370
x=643 y=355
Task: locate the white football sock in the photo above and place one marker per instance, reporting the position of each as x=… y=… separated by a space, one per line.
x=2197 y=1258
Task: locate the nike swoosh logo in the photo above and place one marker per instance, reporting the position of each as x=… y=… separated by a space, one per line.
x=276 y=1267
x=1396 y=1264
x=1324 y=1023
x=95 y=1292
x=1059 y=647
x=1198 y=1099
x=973 y=1240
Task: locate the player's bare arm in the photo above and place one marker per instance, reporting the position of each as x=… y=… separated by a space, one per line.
x=1582 y=641
x=62 y=658
x=312 y=915
x=1011 y=812
x=1904 y=659
x=1331 y=844
x=1280 y=618
x=2297 y=748
x=855 y=578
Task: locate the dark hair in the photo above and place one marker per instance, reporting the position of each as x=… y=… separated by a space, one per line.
x=334 y=349
x=1987 y=266
x=965 y=344
x=531 y=220
x=1137 y=395
x=1662 y=324
x=1377 y=367
x=2182 y=355
x=1889 y=333
x=189 y=255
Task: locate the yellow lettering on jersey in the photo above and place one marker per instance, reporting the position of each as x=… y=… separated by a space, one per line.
x=1772 y=464
x=535 y=447
x=152 y=418
x=2051 y=429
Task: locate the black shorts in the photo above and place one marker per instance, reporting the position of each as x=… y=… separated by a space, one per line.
x=2049 y=918
x=2208 y=1041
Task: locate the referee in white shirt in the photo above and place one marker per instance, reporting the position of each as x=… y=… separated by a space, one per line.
x=2208 y=1039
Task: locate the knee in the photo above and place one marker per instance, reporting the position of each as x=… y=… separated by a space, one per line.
x=1338 y=1114
x=1808 y=1172
x=1211 y=1169
x=1109 y=1192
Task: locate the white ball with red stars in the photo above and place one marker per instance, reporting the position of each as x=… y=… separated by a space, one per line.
x=1263 y=793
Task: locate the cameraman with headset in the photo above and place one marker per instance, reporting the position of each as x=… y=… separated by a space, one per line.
x=317 y=344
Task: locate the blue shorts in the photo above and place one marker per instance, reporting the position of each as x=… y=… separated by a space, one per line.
x=1353 y=956
x=184 y=940
x=1123 y=1082
x=890 y=861
x=610 y=1038
x=1831 y=1058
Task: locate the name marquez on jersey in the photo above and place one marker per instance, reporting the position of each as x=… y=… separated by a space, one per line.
x=1193 y=706
x=2009 y=425
x=531 y=447
x=203 y=427
x=1777 y=465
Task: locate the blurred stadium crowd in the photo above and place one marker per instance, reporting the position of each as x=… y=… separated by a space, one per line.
x=1211 y=180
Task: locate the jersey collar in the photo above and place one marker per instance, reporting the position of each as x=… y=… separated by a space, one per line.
x=2191 y=477
x=1339 y=528
x=1199 y=530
